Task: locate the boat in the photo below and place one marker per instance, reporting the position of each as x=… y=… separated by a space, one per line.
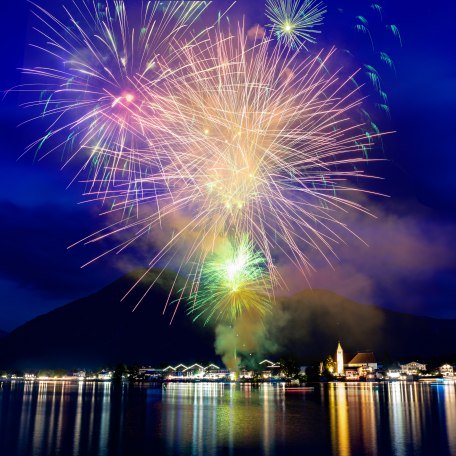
x=299 y=389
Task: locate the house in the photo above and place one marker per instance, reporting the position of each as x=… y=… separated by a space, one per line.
x=105 y=375
x=79 y=375
x=150 y=373
x=364 y=362
x=169 y=370
x=180 y=368
x=394 y=372
x=270 y=369
x=175 y=372
x=195 y=371
x=213 y=372
x=351 y=374
x=412 y=368
x=246 y=374
x=446 y=370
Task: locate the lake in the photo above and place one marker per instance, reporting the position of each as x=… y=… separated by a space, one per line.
x=55 y=418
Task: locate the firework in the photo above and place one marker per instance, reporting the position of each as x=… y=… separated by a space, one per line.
x=295 y=22
x=92 y=77
x=369 y=23
x=269 y=146
x=233 y=150
x=368 y=20
x=234 y=281
x=260 y=143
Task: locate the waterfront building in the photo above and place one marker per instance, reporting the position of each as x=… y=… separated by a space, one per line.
x=412 y=368
x=270 y=369
x=352 y=374
x=195 y=371
x=246 y=374
x=364 y=362
x=446 y=370
x=339 y=360
x=175 y=372
x=394 y=372
x=267 y=375
x=79 y=375
x=180 y=369
x=151 y=373
x=169 y=370
x=105 y=375
x=267 y=364
x=213 y=372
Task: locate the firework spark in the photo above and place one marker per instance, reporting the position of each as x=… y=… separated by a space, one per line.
x=91 y=81
x=260 y=143
x=226 y=143
x=295 y=22
x=368 y=20
x=234 y=281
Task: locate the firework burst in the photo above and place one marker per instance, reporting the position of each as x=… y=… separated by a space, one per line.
x=98 y=59
x=225 y=143
x=261 y=143
x=234 y=281
x=295 y=22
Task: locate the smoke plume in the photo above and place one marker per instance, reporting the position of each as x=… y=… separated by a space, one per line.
x=244 y=343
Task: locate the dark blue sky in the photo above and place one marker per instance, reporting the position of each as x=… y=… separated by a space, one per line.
x=410 y=264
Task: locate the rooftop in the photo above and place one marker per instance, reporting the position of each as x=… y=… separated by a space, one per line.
x=364 y=358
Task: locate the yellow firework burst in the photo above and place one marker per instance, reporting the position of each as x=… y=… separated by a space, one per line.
x=259 y=142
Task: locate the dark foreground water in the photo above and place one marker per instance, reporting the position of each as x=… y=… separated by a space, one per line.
x=50 y=418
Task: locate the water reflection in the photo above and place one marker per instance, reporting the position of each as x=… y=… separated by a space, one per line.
x=207 y=416
x=341 y=419
x=338 y=408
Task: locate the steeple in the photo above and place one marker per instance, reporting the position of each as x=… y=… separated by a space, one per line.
x=339 y=360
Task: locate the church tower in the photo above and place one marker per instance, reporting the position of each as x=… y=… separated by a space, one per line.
x=339 y=360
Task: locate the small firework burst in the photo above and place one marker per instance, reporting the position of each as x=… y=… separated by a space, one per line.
x=234 y=281
x=295 y=22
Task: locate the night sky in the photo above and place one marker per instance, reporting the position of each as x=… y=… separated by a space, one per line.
x=410 y=264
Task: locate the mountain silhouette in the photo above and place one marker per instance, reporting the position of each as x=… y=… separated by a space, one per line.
x=102 y=329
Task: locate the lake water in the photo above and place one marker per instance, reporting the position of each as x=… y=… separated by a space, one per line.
x=51 y=418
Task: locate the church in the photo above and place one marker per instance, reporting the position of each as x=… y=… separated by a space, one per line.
x=339 y=361
x=362 y=364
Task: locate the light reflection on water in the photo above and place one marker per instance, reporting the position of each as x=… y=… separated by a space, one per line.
x=49 y=418
x=222 y=416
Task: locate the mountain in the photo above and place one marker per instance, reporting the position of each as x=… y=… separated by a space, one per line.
x=101 y=329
